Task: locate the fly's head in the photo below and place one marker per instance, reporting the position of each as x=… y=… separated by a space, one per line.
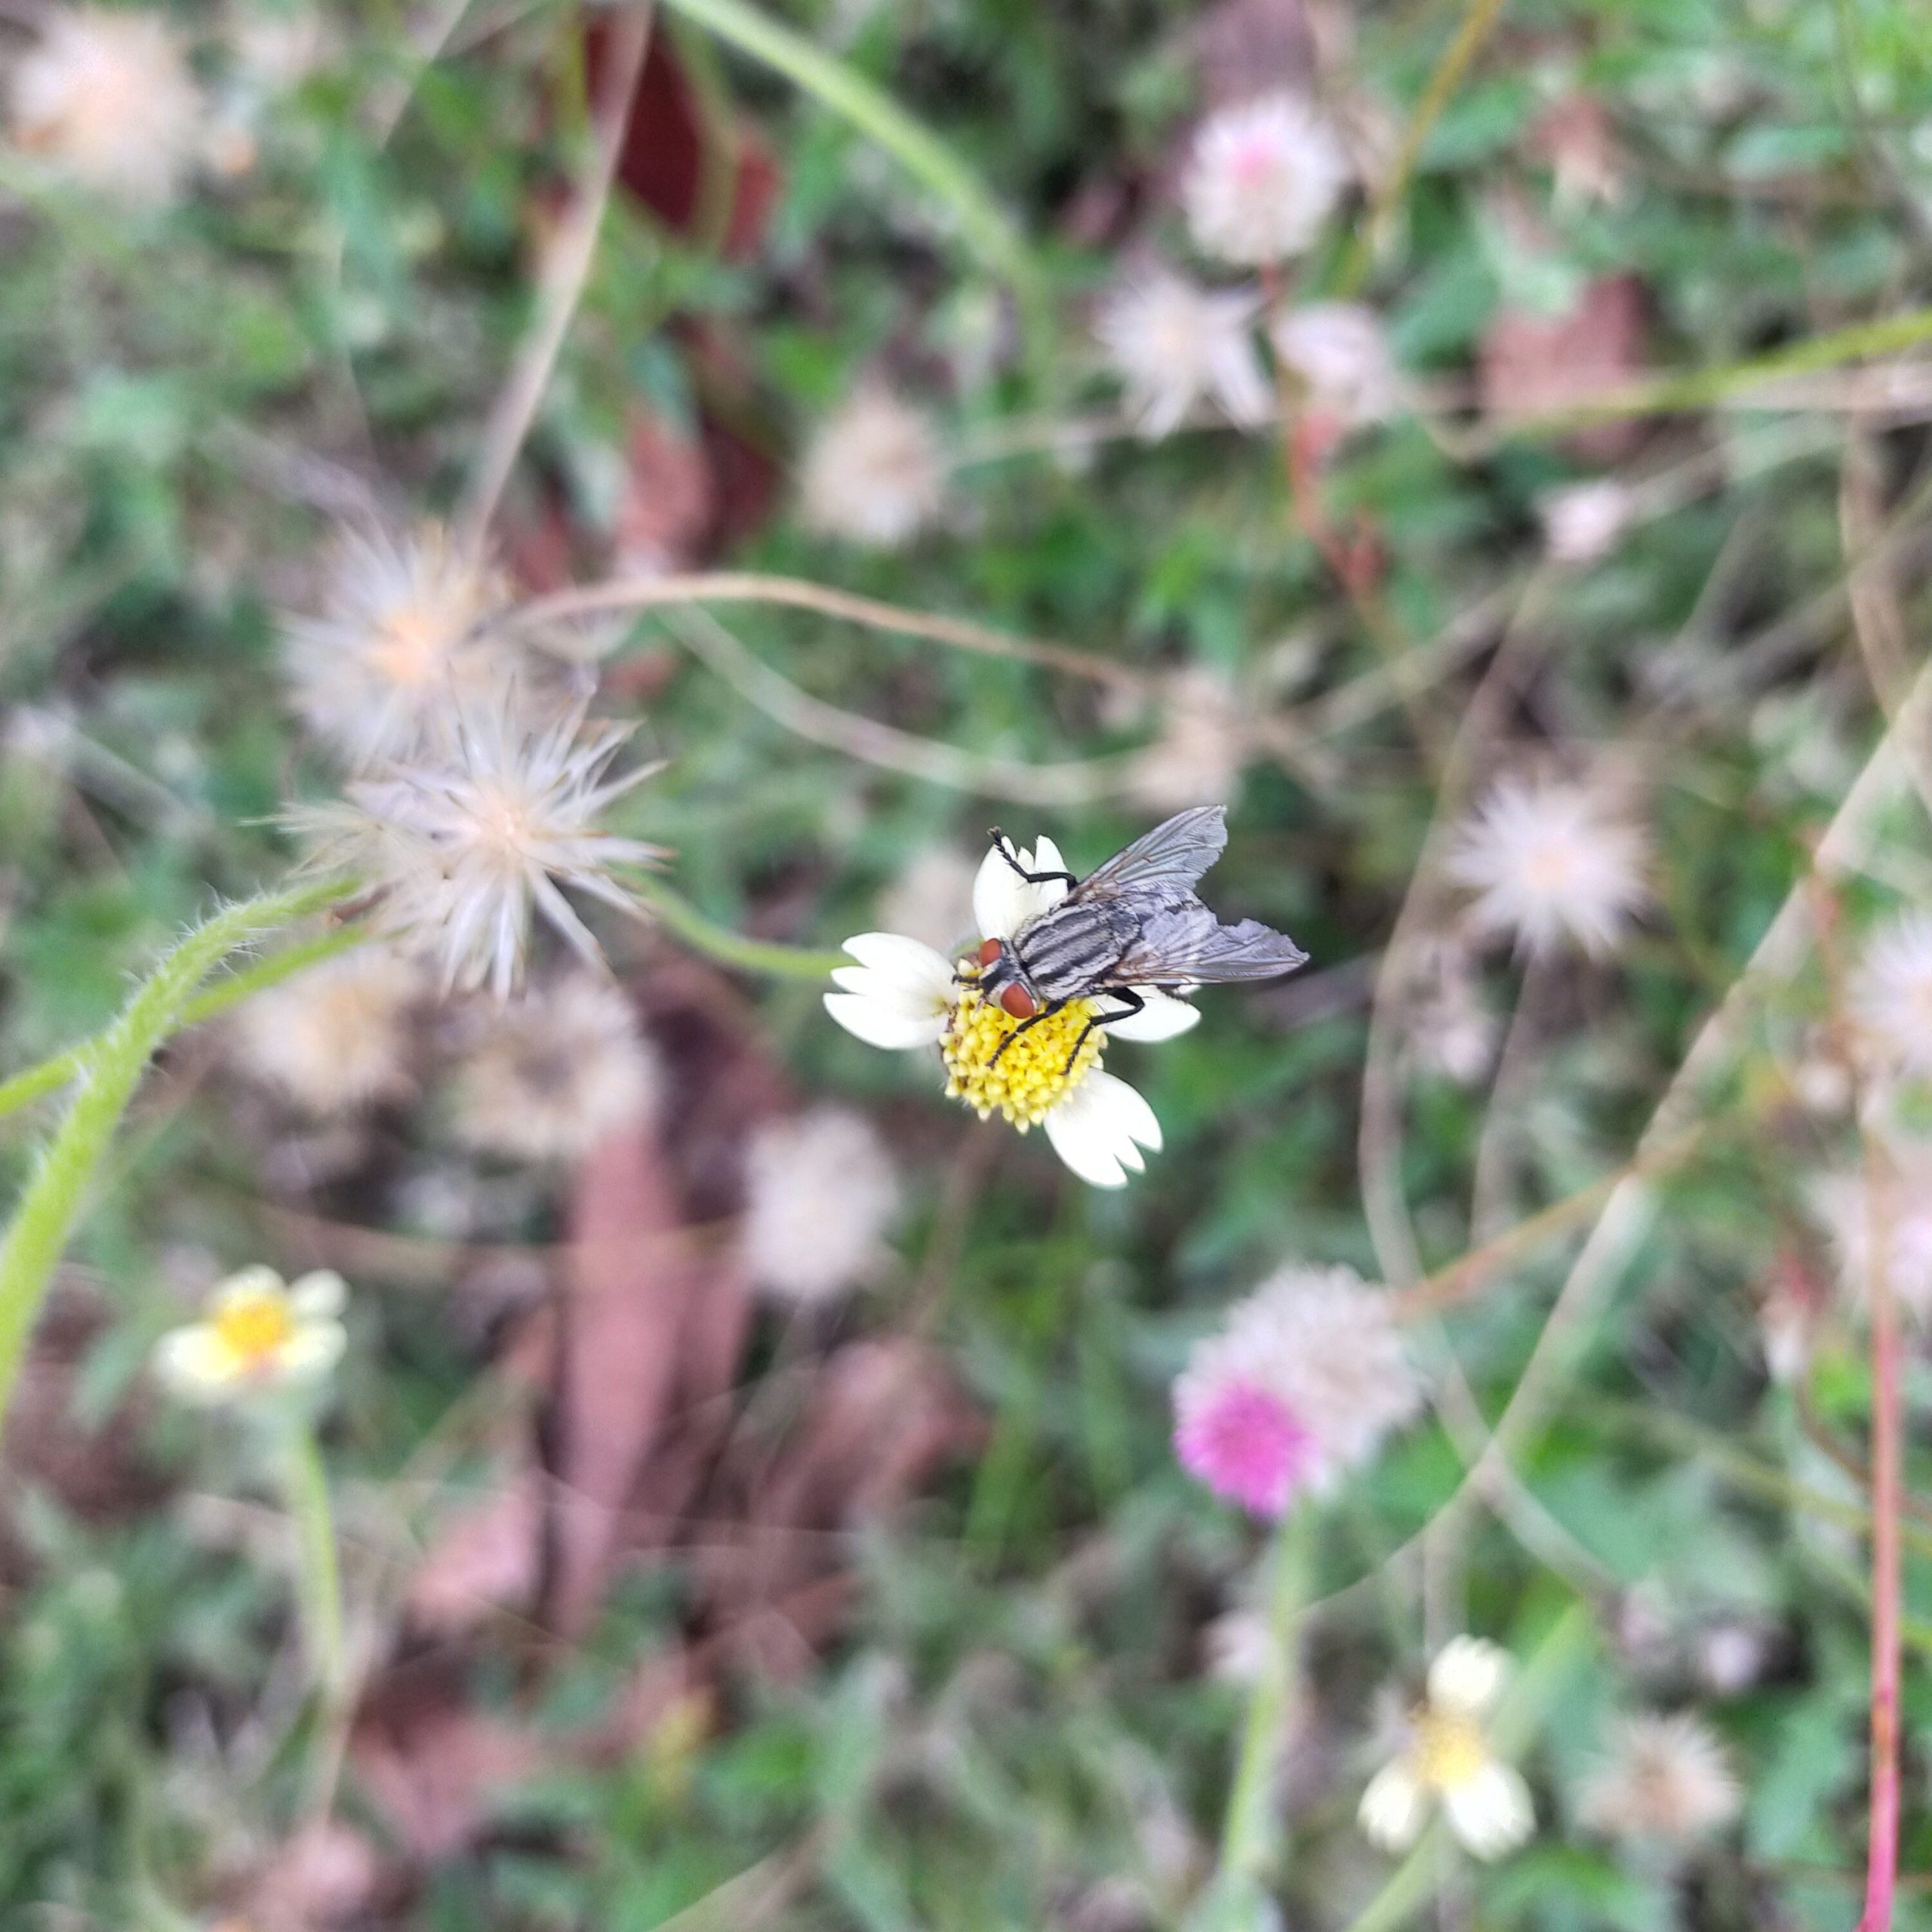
x=1002 y=982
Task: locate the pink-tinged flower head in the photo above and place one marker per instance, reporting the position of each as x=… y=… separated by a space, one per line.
x=1244 y=1442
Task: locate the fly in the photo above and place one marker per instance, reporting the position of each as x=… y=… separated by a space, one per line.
x=1134 y=922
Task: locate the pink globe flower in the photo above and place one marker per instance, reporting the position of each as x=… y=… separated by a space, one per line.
x=1244 y=1443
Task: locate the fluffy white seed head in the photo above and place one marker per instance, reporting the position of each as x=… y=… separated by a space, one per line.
x=1174 y=344
x=553 y=1072
x=1262 y=179
x=336 y=1037
x=820 y=1191
x=874 y=473
x=108 y=100
x=1582 y=523
x=1891 y=994
x=460 y=848
x=1551 y=860
x=1339 y=354
x=403 y=642
x=1662 y=1778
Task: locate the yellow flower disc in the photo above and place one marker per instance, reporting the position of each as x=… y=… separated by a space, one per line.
x=1449 y=1749
x=1033 y=1075
x=255 y=1328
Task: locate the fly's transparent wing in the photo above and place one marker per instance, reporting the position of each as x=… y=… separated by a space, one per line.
x=1164 y=864
x=1187 y=945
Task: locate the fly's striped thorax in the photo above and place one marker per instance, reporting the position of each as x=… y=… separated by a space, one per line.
x=1070 y=949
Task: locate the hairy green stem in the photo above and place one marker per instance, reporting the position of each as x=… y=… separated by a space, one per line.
x=730 y=949
x=49 y=1076
x=109 y=1068
x=318 y=1575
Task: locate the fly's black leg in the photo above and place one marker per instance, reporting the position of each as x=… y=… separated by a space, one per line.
x=1130 y=1002
x=1046 y=1012
x=1003 y=846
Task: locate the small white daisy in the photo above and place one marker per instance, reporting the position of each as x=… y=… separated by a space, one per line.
x=1891 y=992
x=553 y=1072
x=258 y=1335
x=1262 y=179
x=459 y=849
x=1175 y=343
x=1448 y=1761
x=874 y=473
x=1662 y=1778
x=1581 y=522
x=402 y=641
x=1302 y=1382
x=107 y=98
x=1339 y=353
x=1851 y=1208
x=335 y=1037
x=902 y=995
x=820 y=1190
x=1550 y=859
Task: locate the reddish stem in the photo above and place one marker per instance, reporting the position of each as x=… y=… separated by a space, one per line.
x=1882 y=1858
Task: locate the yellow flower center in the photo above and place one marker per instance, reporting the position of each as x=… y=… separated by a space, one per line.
x=1032 y=1075
x=1449 y=1749
x=255 y=1328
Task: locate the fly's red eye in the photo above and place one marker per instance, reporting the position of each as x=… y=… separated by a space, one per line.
x=1017 y=1001
x=990 y=949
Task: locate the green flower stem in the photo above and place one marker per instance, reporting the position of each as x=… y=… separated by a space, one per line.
x=1249 y=1843
x=1514 y=1724
x=729 y=949
x=109 y=1069
x=318 y=1575
x=48 y=1076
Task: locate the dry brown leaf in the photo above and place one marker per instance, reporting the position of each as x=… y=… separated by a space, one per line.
x=487 y=1557
x=1534 y=364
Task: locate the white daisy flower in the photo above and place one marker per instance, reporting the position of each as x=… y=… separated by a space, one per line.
x=874 y=473
x=1447 y=1761
x=402 y=641
x=1891 y=992
x=335 y=1037
x=107 y=98
x=1262 y=179
x=459 y=849
x=820 y=1190
x=555 y=1072
x=1550 y=859
x=1852 y=1208
x=1175 y=343
x=258 y=1335
x=1663 y=1778
x=1340 y=354
x=902 y=994
x=1581 y=522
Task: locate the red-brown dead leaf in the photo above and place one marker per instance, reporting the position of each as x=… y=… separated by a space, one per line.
x=1532 y=364
x=487 y=1557
x=669 y=502
x=435 y=1767
x=328 y=1874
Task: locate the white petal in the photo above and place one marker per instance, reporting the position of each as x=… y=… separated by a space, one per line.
x=311 y=1351
x=1491 y=1812
x=314 y=1296
x=1466 y=1675
x=906 y=965
x=1392 y=1807
x=1094 y=1129
x=1163 y=1018
x=1000 y=901
x=245 y=1284
x=194 y=1364
x=879 y=1024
